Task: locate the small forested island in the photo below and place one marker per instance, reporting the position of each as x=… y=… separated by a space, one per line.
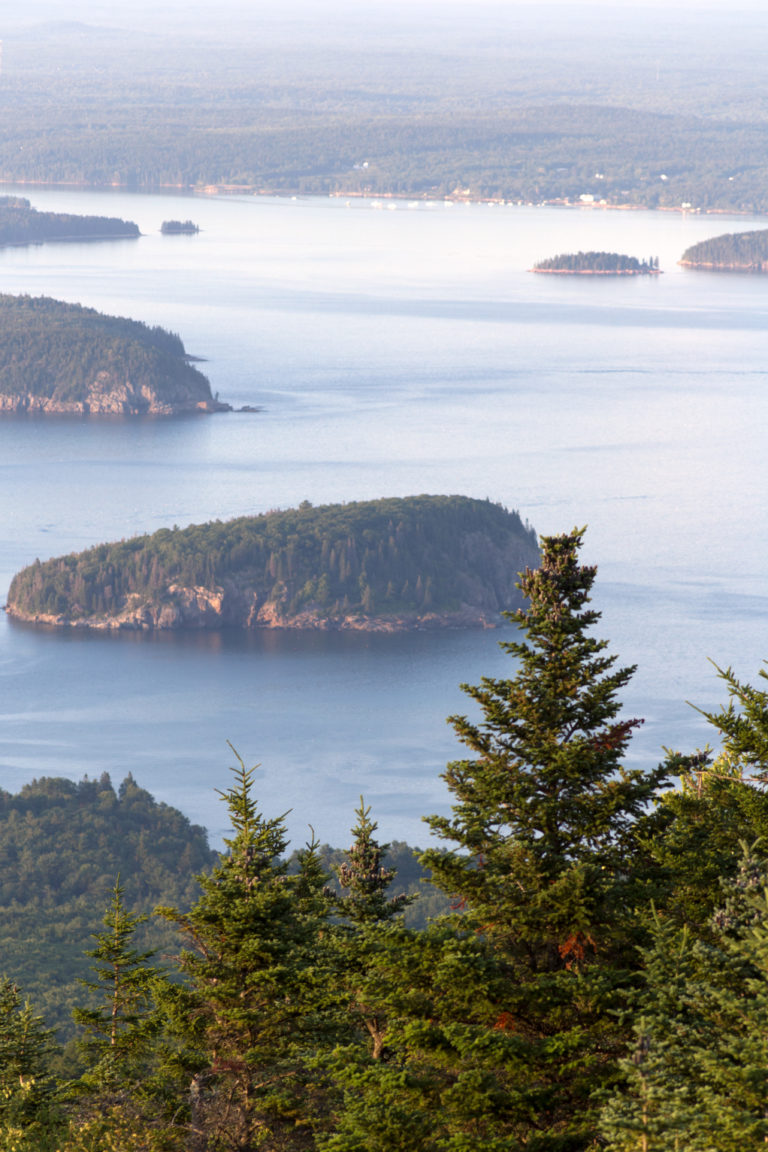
x=20 y=223
x=66 y=359
x=381 y=565
x=598 y=264
x=732 y=252
x=179 y=227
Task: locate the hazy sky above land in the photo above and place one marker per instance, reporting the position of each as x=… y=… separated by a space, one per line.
x=133 y=12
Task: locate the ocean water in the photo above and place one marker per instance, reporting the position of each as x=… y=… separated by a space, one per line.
x=391 y=350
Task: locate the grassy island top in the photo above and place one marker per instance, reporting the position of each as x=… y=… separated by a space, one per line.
x=415 y=556
x=737 y=251
x=63 y=353
x=20 y=223
x=598 y=264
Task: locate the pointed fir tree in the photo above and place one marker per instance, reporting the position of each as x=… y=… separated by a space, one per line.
x=121 y=1026
x=256 y=989
x=545 y=823
x=27 y=1089
x=406 y=1077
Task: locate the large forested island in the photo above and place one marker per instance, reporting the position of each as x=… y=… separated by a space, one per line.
x=382 y=565
x=732 y=252
x=20 y=223
x=598 y=264
x=64 y=358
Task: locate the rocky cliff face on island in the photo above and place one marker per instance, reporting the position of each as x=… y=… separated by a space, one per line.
x=58 y=358
x=388 y=565
x=107 y=395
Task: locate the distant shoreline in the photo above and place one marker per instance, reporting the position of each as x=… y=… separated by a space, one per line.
x=224 y=190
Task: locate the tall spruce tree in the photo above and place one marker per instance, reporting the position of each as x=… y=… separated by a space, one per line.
x=120 y=1026
x=545 y=823
x=257 y=988
x=407 y=1076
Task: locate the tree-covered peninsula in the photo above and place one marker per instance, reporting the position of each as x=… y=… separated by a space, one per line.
x=20 y=223
x=384 y=565
x=598 y=264
x=732 y=252
x=64 y=358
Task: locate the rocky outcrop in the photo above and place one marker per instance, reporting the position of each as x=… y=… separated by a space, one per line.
x=202 y=609
x=108 y=396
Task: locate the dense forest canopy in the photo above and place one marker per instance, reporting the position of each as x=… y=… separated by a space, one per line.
x=416 y=556
x=507 y=105
x=62 y=844
x=737 y=251
x=57 y=356
x=604 y=263
x=20 y=223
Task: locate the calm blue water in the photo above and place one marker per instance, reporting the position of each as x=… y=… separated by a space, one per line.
x=392 y=352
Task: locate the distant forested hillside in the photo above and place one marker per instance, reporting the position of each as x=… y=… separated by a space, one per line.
x=504 y=106
x=62 y=846
x=57 y=357
x=398 y=561
x=734 y=251
x=598 y=263
x=20 y=223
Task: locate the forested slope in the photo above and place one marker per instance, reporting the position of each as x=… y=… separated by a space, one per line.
x=62 y=846
x=388 y=564
x=731 y=252
x=64 y=358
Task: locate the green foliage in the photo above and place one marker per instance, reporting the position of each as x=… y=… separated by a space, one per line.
x=698 y=1075
x=557 y=1009
x=363 y=879
x=254 y=967
x=66 y=353
x=545 y=819
x=119 y=1027
x=604 y=263
x=386 y=557
x=61 y=845
x=734 y=251
x=27 y=1089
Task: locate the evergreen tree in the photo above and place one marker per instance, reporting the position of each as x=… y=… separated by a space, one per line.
x=120 y=1028
x=27 y=1090
x=743 y=724
x=697 y=1080
x=257 y=991
x=118 y=1100
x=546 y=822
